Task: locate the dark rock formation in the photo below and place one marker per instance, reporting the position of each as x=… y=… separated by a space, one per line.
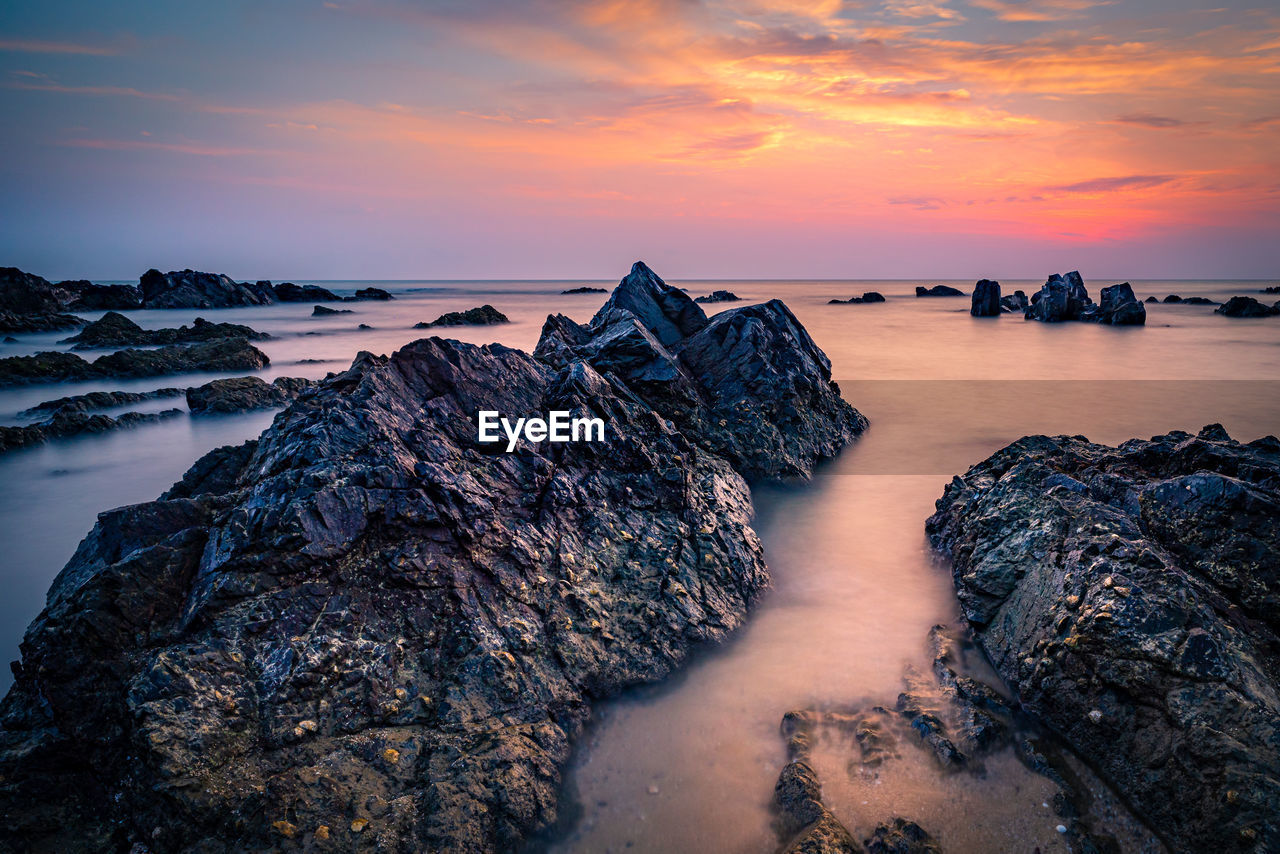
x=938 y=291
x=29 y=303
x=73 y=421
x=586 y=290
x=1118 y=307
x=986 y=299
x=116 y=330
x=1130 y=596
x=324 y=311
x=289 y=292
x=1273 y=289
x=485 y=315
x=9 y=339
x=901 y=837
x=225 y=354
x=1061 y=298
x=363 y=326
x=242 y=394
x=95 y=400
x=1015 y=302
x=1247 y=307
x=193 y=289
x=1174 y=299
x=719 y=296
x=91 y=297
x=367 y=630
x=369 y=293
x=868 y=297
x=1151 y=299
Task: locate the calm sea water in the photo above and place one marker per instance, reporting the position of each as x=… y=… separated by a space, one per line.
x=855 y=590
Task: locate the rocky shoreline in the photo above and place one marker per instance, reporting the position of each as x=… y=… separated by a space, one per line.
x=365 y=630
x=1129 y=598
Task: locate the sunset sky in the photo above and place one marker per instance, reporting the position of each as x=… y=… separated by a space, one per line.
x=713 y=138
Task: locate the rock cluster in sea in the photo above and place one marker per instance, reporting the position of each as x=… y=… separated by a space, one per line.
x=29 y=303
x=242 y=394
x=366 y=630
x=1130 y=597
x=938 y=291
x=1064 y=298
x=585 y=289
x=1247 y=307
x=221 y=354
x=719 y=296
x=114 y=330
x=867 y=297
x=485 y=315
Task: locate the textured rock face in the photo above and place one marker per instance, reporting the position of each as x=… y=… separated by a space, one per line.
x=1061 y=298
x=485 y=315
x=29 y=303
x=365 y=627
x=116 y=330
x=1246 y=307
x=986 y=299
x=241 y=394
x=1118 y=307
x=193 y=289
x=223 y=354
x=1131 y=597
x=1016 y=301
x=91 y=297
x=73 y=421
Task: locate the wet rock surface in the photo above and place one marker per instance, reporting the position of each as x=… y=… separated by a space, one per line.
x=242 y=394
x=72 y=420
x=485 y=315
x=194 y=289
x=96 y=400
x=115 y=330
x=1129 y=597
x=1065 y=298
x=29 y=303
x=1247 y=307
x=366 y=630
x=224 y=354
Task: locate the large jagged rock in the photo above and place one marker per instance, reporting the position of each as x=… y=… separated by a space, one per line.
x=1062 y=298
x=1117 y=307
x=29 y=303
x=986 y=299
x=1131 y=598
x=223 y=354
x=115 y=330
x=194 y=289
x=369 y=631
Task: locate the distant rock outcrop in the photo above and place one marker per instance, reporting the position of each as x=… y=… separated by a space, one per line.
x=1015 y=302
x=1129 y=597
x=586 y=290
x=73 y=421
x=938 y=291
x=1247 y=307
x=289 y=292
x=91 y=297
x=224 y=354
x=194 y=289
x=368 y=627
x=485 y=315
x=325 y=311
x=986 y=299
x=719 y=296
x=867 y=297
x=1065 y=298
x=369 y=294
x=29 y=303
x=115 y=330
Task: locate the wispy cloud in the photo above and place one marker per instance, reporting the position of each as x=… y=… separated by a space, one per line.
x=1151 y=120
x=94 y=91
x=1116 y=184
x=1039 y=10
x=37 y=46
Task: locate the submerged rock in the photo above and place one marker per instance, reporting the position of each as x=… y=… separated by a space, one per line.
x=1129 y=597
x=242 y=394
x=324 y=311
x=938 y=291
x=1247 y=307
x=986 y=299
x=485 y=315
x=194 y=289
x=289 y=292
x=367 y=621
x=586 y=290
x=116 y=330
x=224 y=354
x=868 y=297
x=99 y=400
x=719 y=296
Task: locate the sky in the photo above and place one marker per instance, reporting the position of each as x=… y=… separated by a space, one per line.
x=384 y=139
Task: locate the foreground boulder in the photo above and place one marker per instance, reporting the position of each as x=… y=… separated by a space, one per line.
x=115 y=330
x=369 y=631
x=938 y=291
x=224 y=354
x=986 y=299
x=485 y=315
x=194 y=289
x=242 y=394
x=1247 y=307
x=1130 y=597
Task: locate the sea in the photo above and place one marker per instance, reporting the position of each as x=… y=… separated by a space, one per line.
x=690 y=764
